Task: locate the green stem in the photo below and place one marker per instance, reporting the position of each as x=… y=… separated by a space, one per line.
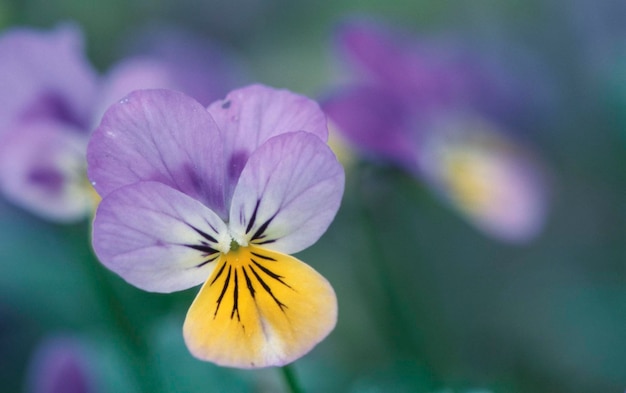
x=401 y=336
x=402 y=333
x=290 y=379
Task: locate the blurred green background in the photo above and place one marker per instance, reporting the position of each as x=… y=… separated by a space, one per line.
x=427 y=303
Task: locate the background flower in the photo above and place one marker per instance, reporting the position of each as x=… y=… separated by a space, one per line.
x=61 y=365
x=435 y=110
x=46 y=100
x=53 y=98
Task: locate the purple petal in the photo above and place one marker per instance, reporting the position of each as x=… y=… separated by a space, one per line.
x=373 y=120
x=133 y=74
x=425 y=73
x=371 y=49
x=163 y=136
x=158 y=238
x=42 y=168
x=170 y=59
x=288 y=193
x=199 y=67
x=44 y=75
x=513 y=89
x=249 y=116
x=60 y=365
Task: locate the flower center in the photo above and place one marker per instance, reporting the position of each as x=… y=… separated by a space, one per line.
x=234 y=246
x=466 y=182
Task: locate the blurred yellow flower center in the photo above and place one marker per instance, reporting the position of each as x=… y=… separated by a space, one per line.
x=467 y=175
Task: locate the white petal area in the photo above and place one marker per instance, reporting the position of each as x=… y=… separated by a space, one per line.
x=288 y=193
x=157 y=238
x=251 y=115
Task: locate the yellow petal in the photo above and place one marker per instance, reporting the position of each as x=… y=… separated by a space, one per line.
x=259 y=308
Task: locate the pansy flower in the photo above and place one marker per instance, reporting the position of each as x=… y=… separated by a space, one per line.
x=221 y=196
x=442 y=115
x=51 y=100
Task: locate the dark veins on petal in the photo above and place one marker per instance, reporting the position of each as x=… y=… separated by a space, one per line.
x=235 y=299
x=224 y=288
x=205 y=246
x=257 y=276
x=259 y=236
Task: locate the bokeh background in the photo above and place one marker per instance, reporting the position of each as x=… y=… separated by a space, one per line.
x=427 y=302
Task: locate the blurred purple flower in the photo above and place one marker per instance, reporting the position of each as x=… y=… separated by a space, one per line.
x=52 y=98
x=438 y=112
x=48 y=91
x=60 y=365
x=221 y=195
